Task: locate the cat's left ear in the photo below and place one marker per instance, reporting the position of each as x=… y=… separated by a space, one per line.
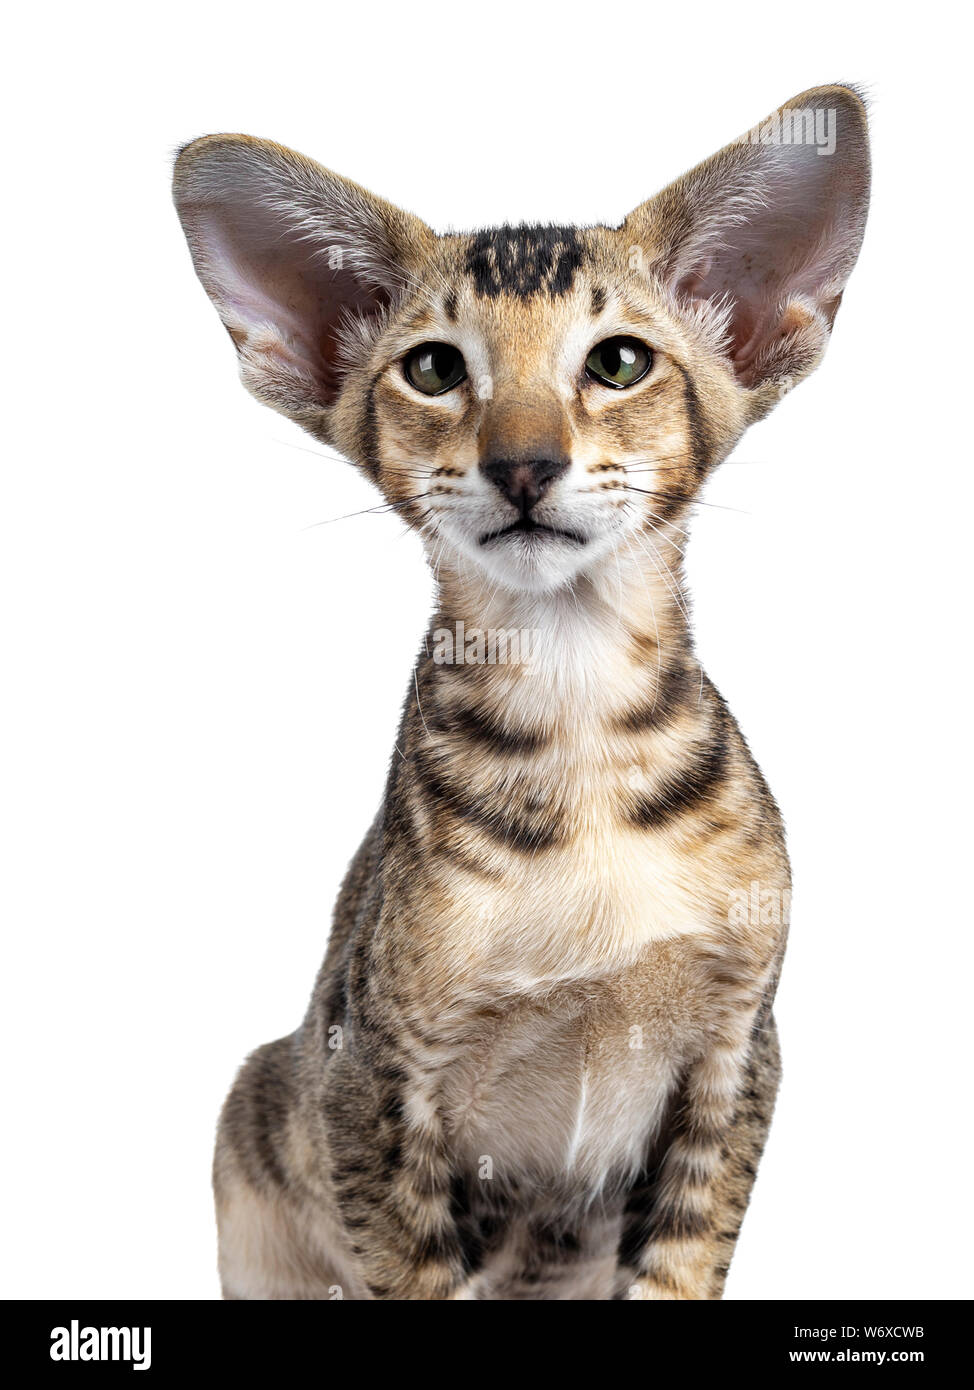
x=291 y=256
x=763 y=236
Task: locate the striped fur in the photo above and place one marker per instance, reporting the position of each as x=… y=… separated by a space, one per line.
x=539 y=1061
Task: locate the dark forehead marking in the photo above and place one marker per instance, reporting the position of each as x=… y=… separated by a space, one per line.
x=450 y=305
x=524 y=260
x=598 y=299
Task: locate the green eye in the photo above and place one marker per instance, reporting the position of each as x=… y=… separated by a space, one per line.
x=434 y=368
x=619 y=362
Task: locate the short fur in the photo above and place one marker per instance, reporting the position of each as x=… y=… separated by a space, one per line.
x=540 y=1059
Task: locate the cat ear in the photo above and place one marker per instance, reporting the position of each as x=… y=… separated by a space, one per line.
x=760 y=239
x=291 y=256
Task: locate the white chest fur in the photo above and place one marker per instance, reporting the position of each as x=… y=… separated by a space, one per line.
x=550 y=1092
x=573 y=1082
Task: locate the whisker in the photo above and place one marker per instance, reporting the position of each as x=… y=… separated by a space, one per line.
x=687 y=501
x=652 y=609
x=379 y=508
x=317 y=453
x=676 y=593
x=332 y=455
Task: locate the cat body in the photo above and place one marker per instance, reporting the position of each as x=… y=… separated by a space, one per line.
x=540 y=1059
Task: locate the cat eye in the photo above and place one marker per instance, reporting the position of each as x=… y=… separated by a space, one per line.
x=434 y=368
x=619 y=362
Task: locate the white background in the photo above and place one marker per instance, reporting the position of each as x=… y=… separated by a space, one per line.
x=201 y=683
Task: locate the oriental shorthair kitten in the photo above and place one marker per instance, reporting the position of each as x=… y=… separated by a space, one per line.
x=539 y=1061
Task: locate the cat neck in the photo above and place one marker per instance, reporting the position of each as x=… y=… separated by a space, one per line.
x=581 y=652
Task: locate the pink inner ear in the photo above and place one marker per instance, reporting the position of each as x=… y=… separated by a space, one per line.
x=798 y=240
x=266 y=276
x=252 y=291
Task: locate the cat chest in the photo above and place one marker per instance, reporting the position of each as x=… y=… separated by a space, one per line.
x=572 y=1086
x=579 y=913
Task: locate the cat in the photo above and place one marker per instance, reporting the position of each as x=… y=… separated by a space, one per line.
x=540 y=1060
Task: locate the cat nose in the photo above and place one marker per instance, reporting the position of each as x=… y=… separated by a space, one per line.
x=524 y=481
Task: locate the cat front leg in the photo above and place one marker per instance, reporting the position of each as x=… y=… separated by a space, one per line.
x=684 y=1212
x=393 y=1182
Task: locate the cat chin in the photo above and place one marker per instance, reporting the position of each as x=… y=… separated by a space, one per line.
x=536 y=564
x=543 y=569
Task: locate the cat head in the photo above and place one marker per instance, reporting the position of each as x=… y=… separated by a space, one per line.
x=531 y=397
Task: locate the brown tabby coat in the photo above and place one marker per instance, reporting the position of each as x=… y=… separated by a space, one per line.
x=540 y=1060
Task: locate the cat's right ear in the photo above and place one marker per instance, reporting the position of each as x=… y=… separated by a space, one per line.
x=291 y=255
